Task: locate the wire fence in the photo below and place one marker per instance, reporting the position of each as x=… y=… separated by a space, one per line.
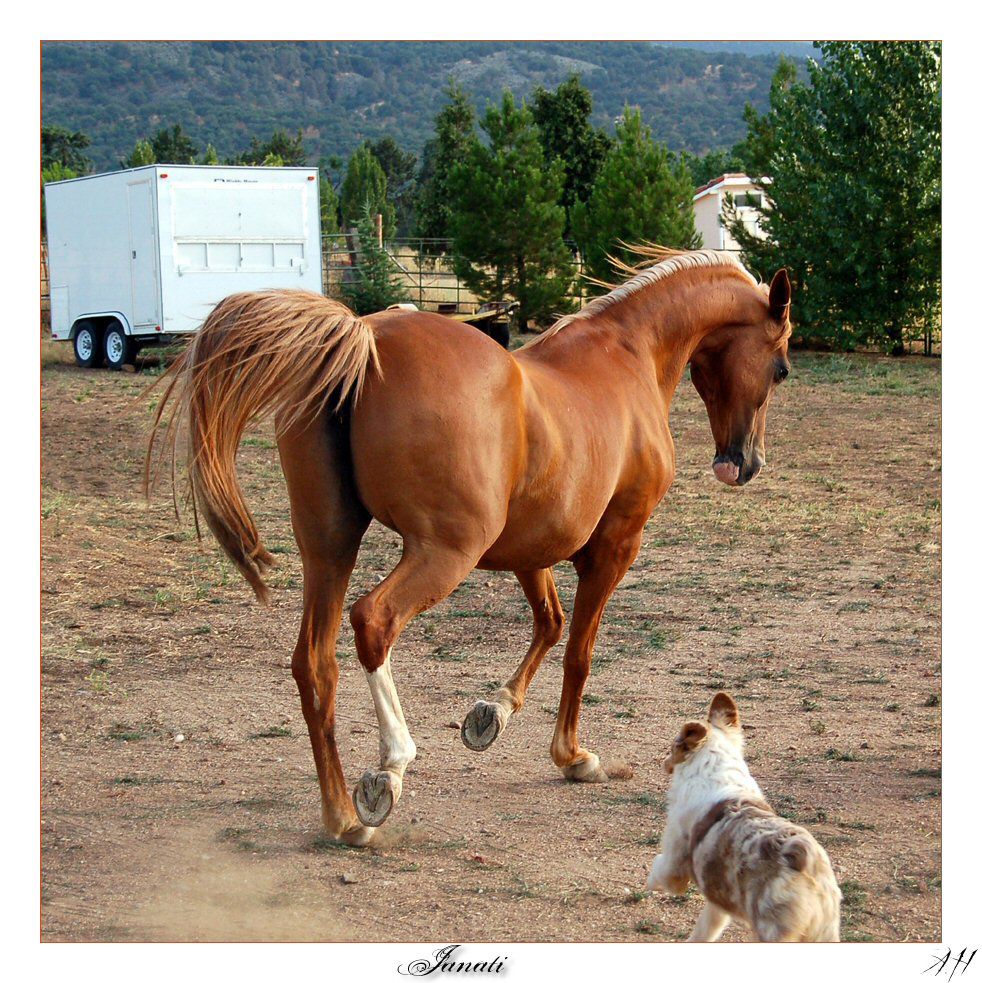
x=424 y=268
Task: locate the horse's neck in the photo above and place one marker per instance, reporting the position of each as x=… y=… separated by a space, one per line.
x=662 y=325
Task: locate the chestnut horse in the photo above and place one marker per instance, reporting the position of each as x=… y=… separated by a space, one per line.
x=476 y=457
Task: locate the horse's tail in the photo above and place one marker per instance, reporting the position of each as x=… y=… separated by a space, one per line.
x=285 y=352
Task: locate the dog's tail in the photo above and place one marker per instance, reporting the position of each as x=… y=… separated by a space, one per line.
x=798 y=852
x=807 y=895
x=286 y=352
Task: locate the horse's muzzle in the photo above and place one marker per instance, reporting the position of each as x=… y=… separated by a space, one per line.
x=735 y=469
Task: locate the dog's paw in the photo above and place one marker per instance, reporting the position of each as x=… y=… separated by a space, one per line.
x=664 y=880
x=653 y=883
x=676 y=885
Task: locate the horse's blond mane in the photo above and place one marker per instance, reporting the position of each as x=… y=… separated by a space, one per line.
x=654 y=263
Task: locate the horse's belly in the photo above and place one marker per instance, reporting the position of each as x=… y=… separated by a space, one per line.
x=540 y=534
x=524 y=553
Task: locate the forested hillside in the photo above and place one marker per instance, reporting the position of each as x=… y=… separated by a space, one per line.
x=341 y=93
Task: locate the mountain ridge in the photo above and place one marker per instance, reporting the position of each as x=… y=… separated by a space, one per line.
x=341 y=93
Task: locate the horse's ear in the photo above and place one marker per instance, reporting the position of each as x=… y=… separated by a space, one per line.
x=779 y=298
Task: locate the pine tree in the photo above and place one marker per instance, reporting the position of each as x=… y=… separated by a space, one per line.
x=641 y=194
x=365 y=186
x=140 y=156
x=280 y=150
x=399 y=168
x=563 y=118
x=173 y=146
x=453 y=141
x=375 y=284
x=328 y=207
x=508 y=222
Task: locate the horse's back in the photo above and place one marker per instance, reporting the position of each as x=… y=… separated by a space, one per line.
x=421 y=346
x=437 y=437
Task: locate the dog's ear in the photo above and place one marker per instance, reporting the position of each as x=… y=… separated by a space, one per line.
x=723 y=711
x=690 y=737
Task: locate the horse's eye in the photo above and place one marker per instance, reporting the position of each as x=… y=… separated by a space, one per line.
x=781 y=372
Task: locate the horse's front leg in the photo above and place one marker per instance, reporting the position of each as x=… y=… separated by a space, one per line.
x=600 y=565
x=488 y=718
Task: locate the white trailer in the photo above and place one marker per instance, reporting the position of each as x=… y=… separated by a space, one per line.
x=140 y=256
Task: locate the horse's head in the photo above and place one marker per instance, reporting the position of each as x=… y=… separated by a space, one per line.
x=735 y=369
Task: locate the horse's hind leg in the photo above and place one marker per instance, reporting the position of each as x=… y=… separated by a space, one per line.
x=487 y=719
x=424 y=576
x=328 y=522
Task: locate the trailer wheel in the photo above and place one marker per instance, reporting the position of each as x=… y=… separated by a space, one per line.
x=88 y=346
x=119 y=347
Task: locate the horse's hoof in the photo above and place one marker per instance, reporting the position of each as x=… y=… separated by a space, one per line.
x=482 y=725
x=375 y=795
x=587 y=770
x=358 y=835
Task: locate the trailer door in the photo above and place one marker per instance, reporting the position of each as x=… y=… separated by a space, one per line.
x=143 y=259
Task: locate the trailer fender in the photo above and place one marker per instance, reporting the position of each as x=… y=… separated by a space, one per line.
x=101 y=321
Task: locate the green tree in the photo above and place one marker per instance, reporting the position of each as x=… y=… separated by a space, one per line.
x=280 y=150
x=640 y=195
x=712 y=165
x=365 y=186
x=64 y=147
x=508 y=222
x=757 y=148
x=454 y=139
x=855 y=192
x=173 y=146
x=330 y=204
x=56 y=171
x=328 y=208
x=399 y=168
x=563 y=118
x=375 y=283
x=141 y=155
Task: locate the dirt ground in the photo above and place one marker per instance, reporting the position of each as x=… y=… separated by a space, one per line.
x=178 y=789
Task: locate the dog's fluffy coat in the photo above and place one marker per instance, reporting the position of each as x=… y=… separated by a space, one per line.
x=747 y=861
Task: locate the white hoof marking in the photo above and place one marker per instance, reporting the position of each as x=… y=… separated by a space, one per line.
x=396 y=747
